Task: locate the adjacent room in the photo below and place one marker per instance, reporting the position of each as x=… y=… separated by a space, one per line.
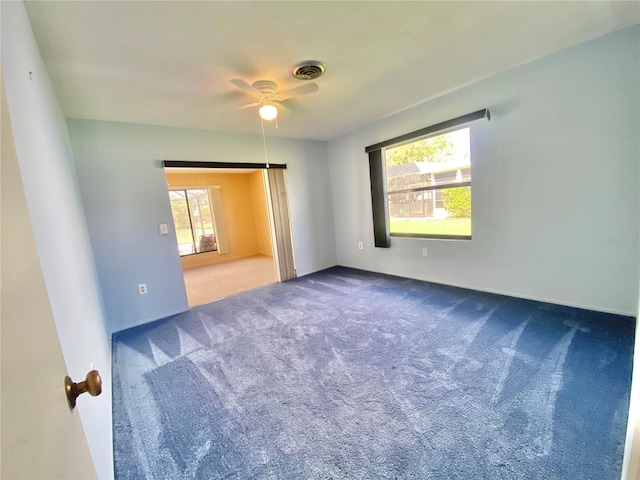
x=222 y=231
x=310 y=240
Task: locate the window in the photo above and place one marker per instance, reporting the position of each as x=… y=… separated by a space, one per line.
x=421 y=182
x=193 y=220
x=429 y=186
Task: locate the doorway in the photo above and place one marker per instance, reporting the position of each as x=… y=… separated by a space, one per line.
x=229 y=230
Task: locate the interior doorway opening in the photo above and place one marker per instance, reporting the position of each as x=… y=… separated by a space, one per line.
x=231 y=226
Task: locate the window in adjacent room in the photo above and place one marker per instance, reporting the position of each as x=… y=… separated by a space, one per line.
x=193 y=220
x=429 y=186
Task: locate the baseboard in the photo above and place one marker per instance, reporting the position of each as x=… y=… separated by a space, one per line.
x=458 y=285
x=507 y=293
x=222 y=260
x=144 y=323
x=321 y=269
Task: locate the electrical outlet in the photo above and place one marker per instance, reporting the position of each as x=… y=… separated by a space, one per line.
x=164 y=228
x=142 y=289
x=424 y=251
x=360 y=246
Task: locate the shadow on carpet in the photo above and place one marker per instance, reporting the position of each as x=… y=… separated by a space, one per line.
x=345 y=374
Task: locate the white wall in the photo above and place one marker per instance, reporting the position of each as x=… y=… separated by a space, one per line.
x=125 y=198
x=53 y=200
x=555 y=182
x=39 y=438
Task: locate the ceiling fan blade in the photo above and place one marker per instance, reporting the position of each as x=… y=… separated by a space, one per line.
x=282 y=109
x=241 y=84
x=225 y=98
x=250 y=105
x=301 y=90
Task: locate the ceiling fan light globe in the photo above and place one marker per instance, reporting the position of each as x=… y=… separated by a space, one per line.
x=268 y=112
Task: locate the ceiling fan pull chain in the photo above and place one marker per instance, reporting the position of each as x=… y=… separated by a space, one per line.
x=264 y=142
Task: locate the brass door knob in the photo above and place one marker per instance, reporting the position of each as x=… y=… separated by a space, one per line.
x=92 y=384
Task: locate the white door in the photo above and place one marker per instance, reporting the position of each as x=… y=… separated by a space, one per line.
x=40 y=436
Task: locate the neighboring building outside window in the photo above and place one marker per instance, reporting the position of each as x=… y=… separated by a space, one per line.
x=429 y=186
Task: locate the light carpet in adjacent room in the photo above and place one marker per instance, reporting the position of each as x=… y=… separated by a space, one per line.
x=345 y=374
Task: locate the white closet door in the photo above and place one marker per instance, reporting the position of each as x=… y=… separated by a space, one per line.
x=282 y=229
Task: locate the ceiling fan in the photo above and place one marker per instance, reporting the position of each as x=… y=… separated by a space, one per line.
x=268 y=99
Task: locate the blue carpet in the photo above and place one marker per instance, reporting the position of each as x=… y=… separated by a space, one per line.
x=345 y=374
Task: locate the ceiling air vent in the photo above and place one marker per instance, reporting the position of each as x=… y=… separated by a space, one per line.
x=308 y=70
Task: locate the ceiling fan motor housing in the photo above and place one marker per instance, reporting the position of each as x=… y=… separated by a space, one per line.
x=266 y=87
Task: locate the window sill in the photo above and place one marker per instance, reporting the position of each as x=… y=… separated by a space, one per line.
x=435 y=237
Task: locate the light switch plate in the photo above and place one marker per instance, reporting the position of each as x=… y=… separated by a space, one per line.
x=164 y=229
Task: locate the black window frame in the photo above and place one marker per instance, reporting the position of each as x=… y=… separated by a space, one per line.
x=377 y=173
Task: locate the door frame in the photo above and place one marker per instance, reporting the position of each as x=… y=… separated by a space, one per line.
x=279 y=218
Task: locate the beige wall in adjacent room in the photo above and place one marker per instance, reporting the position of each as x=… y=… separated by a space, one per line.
x=238 y=211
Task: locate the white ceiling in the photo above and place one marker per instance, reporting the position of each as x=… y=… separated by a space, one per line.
x=171 y=63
